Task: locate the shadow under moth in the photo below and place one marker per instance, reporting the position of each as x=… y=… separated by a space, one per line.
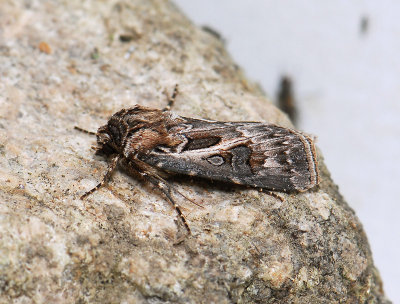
x=255 y=154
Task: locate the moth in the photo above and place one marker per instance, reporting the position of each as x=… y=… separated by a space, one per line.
x=256 y=154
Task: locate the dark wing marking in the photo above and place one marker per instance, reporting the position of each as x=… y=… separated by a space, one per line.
x=247 y=153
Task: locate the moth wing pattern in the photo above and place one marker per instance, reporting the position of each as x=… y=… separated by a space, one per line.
x=248 y=153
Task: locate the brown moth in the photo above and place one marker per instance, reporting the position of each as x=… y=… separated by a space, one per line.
x=254 y=154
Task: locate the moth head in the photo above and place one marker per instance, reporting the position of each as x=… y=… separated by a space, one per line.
x=107 y=140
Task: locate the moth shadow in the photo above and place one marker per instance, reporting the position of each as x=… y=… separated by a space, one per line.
x=201 y=186
x=209 y=185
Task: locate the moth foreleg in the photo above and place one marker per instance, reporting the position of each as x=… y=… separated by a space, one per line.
x=106 y=176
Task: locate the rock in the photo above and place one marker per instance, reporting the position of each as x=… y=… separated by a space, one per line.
x=73 y=63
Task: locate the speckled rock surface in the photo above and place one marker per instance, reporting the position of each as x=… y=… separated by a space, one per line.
x=67 y=63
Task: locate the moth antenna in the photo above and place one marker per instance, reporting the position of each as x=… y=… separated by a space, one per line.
x=84 y=131
x=171 y=100
x=106 y=176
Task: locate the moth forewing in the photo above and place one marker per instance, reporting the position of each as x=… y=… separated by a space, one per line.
x=247 y=153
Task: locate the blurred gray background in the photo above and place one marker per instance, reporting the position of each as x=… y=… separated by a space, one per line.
x=344 y=60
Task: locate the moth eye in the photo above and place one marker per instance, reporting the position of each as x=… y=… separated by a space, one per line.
x=103 y=138
x=216 y=160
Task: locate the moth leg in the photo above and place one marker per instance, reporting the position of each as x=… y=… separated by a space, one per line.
x=189 y=199
x=84 y=131
x=165 y=188
x=171 y=100
x=273 y=194
x=161 y=184
x=106 y=176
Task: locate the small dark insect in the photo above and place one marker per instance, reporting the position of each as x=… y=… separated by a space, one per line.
x=286 y=100
x=214 y=33
x=248 y=153
x=364 y=25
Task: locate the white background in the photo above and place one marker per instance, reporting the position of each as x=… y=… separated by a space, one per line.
x=347 y=85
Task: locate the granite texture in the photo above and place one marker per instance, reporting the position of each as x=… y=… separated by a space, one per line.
x=74 y=63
